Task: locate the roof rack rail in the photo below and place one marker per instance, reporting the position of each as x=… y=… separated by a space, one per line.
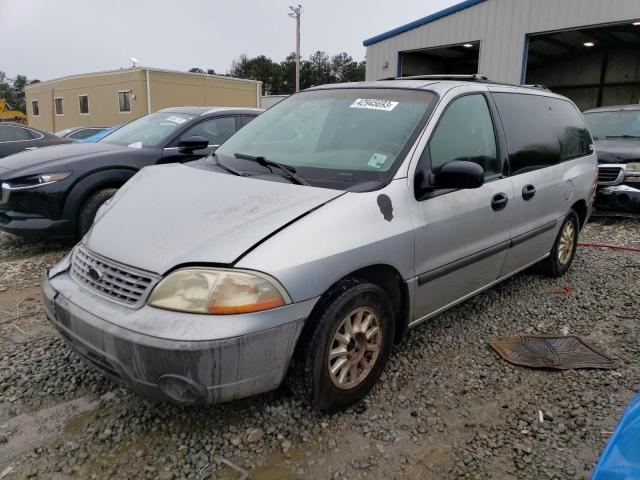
x=469 y=78
x=536 y=85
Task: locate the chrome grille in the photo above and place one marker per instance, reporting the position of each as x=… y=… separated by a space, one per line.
x=609 y=175
x=123 y=284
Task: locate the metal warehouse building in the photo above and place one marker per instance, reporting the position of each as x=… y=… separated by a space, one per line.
x=588 y=50
x=119 y=96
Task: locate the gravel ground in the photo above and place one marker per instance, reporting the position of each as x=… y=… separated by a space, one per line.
x=446 y=407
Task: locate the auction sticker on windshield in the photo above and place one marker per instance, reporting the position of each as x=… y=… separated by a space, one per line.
x=176 y=119
x=374 y=104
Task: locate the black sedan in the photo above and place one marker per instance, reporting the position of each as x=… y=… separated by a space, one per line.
x=56 y=192
x=616 y=134
x=15 y=137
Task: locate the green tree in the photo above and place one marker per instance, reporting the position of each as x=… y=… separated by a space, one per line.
x=196 y=70
x=12 y=90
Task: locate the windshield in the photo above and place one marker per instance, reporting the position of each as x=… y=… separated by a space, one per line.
x=340 y=134
x=620 y=124
x=151 y=131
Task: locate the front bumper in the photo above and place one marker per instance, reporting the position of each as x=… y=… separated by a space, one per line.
x=169 y=367
x=35 y=212
x=618 y=198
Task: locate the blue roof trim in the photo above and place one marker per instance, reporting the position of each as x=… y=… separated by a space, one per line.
x=422 y=21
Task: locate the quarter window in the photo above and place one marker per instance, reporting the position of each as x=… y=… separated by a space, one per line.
x=216 y=130
x=124 y=101
x=58 y=106
x=84 y=104
x=465 y=132
x=575 y=139
x=529 y=125
x=35 y=108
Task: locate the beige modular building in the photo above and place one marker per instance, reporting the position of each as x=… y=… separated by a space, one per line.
x=119 y=96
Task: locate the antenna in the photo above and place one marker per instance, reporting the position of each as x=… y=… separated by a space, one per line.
x=134 y=61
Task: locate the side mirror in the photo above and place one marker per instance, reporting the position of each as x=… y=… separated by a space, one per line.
x=459 y=174
x=194 y=142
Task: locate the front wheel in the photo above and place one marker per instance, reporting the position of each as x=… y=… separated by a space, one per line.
x=564 y=248
x=345 y=347
x=90 y=207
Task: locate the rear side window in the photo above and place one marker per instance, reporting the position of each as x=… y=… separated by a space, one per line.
x=465 y=132
x=531 y=131
x=573 y=134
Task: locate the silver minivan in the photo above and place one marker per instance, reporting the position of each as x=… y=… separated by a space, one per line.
x=319 y=233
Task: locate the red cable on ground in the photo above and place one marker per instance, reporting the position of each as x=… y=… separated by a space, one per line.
x=607 y=245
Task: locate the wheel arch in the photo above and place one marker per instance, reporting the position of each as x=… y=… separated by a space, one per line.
x=580 y=207
x=111 y=178
x=389 y=279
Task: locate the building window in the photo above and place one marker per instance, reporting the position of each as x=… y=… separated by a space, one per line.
x=35 y=108
x=58 y=105
x=84 y=104
x=124 y=101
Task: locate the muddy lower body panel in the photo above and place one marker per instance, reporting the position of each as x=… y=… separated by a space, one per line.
x=177 y=371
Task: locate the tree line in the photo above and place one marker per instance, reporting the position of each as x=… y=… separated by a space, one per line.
x=278 y=78
x=12 y=90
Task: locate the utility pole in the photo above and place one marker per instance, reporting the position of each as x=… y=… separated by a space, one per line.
x=295 y=13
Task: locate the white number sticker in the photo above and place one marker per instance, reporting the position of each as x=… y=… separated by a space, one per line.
x=176 y=119
x=374 y=104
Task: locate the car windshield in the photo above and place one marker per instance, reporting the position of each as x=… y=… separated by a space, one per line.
x=619 y=124
x=150 y=131
x=343 y=134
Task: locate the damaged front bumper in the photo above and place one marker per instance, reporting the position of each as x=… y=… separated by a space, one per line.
x=622 y=199
x=155 y=351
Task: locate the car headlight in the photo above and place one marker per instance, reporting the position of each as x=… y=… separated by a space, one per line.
x=218 y=291
x=35 y=180
x=633 y=167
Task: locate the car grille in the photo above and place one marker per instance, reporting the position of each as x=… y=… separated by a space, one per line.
x=122 y=284
x=608 y=175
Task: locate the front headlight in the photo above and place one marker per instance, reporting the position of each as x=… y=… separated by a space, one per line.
x=218 y=291
x=633 y=167
x=35 y=180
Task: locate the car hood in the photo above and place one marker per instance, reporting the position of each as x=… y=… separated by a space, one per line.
x=174 y=214
x=618 y=150
x=57 y=156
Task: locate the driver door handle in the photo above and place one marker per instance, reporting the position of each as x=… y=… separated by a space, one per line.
x=528 y=192
x=499 y=201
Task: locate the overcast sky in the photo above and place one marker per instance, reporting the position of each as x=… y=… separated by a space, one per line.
x=46 y=39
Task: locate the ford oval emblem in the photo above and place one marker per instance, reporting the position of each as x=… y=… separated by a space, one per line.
x=95 y=274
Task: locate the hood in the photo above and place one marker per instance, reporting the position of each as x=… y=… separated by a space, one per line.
x=174 y=214
x=57 y=156
x=618 y=150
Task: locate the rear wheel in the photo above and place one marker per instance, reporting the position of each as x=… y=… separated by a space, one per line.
x=90 y=207
x=564 y=249
x=345 y=347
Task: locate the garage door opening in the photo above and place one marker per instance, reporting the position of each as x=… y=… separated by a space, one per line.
x=455 y=59
x=595 y=66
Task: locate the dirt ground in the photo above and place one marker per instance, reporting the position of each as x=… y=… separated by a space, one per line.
x=447 y=406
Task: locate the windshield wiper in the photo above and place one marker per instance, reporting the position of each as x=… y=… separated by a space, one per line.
x=260 y=160
x=623 y=136
x=228 y=168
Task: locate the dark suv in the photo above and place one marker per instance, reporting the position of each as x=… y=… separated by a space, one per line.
x=616 y=133
x=56 y=192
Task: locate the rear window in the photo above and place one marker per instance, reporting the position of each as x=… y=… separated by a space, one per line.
x=574 y=136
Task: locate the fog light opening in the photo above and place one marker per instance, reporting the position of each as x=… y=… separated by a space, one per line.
x=623 y=199
x=182 y=390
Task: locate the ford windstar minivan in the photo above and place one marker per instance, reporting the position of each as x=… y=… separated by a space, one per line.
x=318 y=234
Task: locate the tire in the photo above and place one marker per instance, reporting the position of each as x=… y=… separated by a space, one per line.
x=559 y=261
x=310 y=376
x=90 y=207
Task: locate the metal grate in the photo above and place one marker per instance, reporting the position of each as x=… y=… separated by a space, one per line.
x=123 y=284
x=609 y=175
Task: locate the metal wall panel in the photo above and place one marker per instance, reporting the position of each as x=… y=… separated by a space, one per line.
x=501 y=26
